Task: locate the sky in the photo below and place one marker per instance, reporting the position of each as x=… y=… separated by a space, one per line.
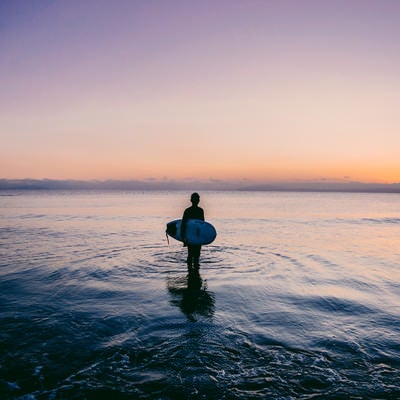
x=248 y=90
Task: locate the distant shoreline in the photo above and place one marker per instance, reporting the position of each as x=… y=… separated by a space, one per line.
x=171 y=185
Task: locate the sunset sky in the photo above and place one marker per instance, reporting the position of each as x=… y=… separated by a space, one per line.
x=223 y=89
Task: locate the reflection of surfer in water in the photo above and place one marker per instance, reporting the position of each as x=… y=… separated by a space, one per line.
x=191 y=295
x=193 y=212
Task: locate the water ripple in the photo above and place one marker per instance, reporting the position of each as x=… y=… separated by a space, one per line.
x=291 y=302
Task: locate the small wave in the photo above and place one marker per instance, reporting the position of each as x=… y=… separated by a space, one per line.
x=334 y=305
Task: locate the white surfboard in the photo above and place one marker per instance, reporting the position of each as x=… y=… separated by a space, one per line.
x=197 y=232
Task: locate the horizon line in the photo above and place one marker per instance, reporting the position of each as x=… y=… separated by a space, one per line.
x=198 y=184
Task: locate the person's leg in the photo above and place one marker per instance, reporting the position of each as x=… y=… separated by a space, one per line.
x=190 y=256
x=196 y=256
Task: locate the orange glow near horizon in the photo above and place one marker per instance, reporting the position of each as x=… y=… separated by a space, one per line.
x=272 y=171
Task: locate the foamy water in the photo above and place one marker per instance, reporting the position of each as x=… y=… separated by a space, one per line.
x=298 y=297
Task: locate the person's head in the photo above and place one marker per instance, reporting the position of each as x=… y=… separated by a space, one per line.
x=195 y=198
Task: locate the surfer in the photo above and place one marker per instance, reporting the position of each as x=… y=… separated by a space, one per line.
x=192 y=212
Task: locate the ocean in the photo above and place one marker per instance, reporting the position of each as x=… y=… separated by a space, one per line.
x=297 y=298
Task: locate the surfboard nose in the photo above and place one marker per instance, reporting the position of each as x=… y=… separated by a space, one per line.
x=171 y=228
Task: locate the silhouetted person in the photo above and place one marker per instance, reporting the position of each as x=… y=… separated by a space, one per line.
x=193 y=212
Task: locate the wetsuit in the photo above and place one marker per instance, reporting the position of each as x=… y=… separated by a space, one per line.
x=193 y=212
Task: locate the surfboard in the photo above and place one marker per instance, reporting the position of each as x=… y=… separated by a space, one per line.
x=197 y=232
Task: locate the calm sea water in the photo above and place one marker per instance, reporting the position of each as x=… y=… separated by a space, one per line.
x=298 y=297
